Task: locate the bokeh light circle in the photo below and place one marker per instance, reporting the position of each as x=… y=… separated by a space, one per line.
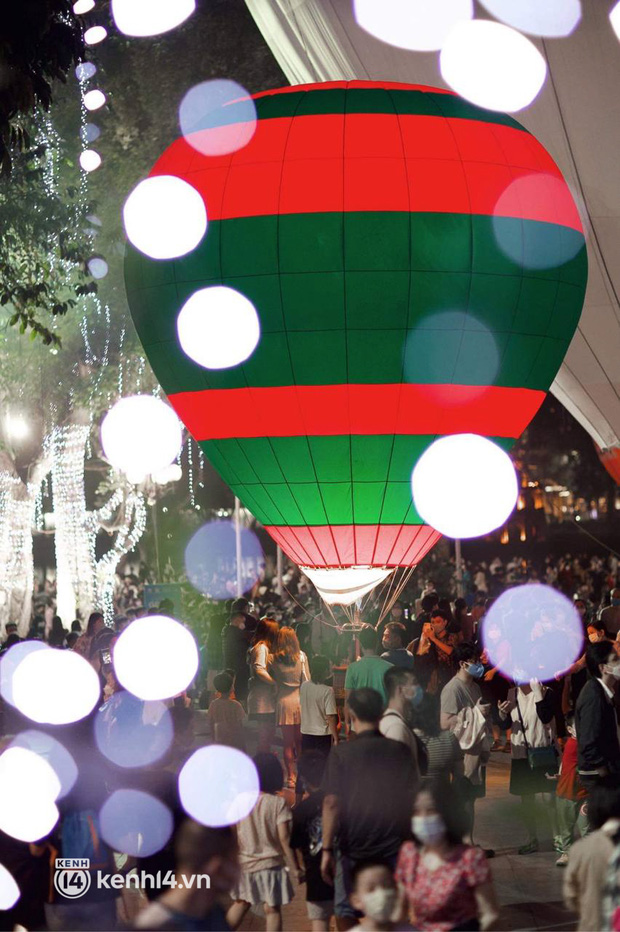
x=150 y=17
x=532 y=632
x=217 y=117
x=492 y=65
x=470 y=342
x=94 y=99
x=211 y=559
x=133 y=733
x=55 y=687
x=98 y=267
x=95 y=35
x=28 y=809
x=464 y=485
x=523 y=243
x=10 y=661
x=90 y=160
x=140 y=435
x=155 y=657
x=54 y=753
x=9 y=891
x=218 y=327
x=550 y=18
x=165 y=217
x=419 y=25
x=135 y=823
x=90 y=132
x=83 y=6
x=85 y=70
x=614 y=19
x=218 y=786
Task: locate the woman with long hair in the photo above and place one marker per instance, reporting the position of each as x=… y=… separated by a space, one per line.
x=289 y=669
x=262 y=686
x=446 y=884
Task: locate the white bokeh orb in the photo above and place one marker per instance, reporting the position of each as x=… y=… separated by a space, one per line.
x=95 y=35
x=492 y=65
x=83 y=6
x=9 y=891
x=218 y=786
x=218 y=327
x=165 y=217
x=550 y=18
x=217 y=117
x=90 y=160
x=141 y=435
x=10 y=661
x=94 y=99
x=98 y=267
x=419 y=25
x=85 y=70
x=52 y=751
x=155 y=657
x=135 y=823
x=150 y=17
x=28 y=809
x=614 y=18
x=55 y=687
x=464 y=486
x=171 y=473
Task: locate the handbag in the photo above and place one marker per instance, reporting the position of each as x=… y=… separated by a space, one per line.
x=538 y=758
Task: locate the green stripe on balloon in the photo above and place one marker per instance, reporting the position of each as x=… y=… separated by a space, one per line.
x=324 y=480
x=323 y=313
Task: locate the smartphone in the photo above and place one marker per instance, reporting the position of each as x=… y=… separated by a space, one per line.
x=106 y=657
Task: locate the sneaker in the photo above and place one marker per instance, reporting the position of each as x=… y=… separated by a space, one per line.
x=562 y=861
x=530 y=848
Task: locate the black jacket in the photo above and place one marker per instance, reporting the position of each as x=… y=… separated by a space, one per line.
x=597 y=730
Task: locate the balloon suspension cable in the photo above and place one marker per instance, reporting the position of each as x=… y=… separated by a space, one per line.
x=576 y=524
x=308 y=612
x=392 y=597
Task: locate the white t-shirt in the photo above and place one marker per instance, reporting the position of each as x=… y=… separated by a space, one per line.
x=317 y=702
x=393 y=726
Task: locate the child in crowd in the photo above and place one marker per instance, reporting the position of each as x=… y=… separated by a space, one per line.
x=319 y=715
x=570 y=796
x=375 y=894
x=226 y=715
x=307 y=841
x=265 y=856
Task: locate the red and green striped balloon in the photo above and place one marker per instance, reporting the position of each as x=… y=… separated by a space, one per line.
x=418 y=266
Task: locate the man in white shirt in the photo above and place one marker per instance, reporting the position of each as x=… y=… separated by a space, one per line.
x=403 y=692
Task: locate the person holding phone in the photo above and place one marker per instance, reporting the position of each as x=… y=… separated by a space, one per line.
x=529 y=711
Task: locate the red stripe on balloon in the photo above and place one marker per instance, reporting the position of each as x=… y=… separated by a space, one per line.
x=351 y=85
x=295 y=166
x=356 y=545
x=334 y=410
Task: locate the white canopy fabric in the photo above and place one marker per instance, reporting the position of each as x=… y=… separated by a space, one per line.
x=576 y=117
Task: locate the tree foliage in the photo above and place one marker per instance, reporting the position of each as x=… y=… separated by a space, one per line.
x=40 y=40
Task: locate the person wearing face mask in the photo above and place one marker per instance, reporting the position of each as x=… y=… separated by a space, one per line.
x=447 y=884
x=376 y=896
x=435 y=650
x=529 y=712
x=595 y=717
x=610 y=616
x=467 y=715
x=404 y=694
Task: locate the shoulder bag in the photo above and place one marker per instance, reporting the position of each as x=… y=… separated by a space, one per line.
x=538 y=758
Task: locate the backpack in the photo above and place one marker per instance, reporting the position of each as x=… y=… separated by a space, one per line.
x=81 y=838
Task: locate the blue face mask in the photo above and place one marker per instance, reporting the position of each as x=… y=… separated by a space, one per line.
x=417 y=697
x=476 y=670
x=615 y=602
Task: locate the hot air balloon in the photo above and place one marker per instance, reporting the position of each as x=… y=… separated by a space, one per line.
x=418 y=269
x=610 y=458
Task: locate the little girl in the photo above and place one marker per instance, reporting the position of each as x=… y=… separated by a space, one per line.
x=265 y=855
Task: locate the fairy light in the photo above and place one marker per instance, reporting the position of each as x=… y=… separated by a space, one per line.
x=190 y=473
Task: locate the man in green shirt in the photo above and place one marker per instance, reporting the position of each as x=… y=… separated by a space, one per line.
x=367 y=671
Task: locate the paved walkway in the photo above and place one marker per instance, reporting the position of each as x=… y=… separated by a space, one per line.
x=529 y=887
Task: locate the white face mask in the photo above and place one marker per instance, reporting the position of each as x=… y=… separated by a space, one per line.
x=428 y=829
x=379 y=904
x=614 y=669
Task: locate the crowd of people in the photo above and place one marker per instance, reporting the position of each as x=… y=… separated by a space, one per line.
x=371 y=743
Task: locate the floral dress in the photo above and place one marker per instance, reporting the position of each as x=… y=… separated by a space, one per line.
x=443 y=898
